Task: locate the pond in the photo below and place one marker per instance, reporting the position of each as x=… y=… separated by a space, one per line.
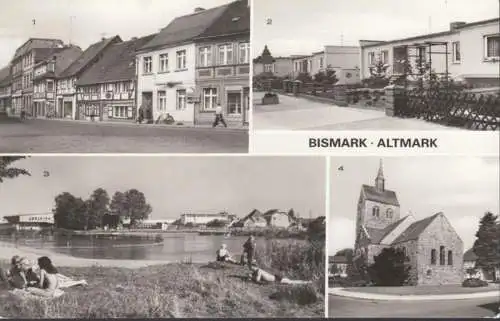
x=175 y=247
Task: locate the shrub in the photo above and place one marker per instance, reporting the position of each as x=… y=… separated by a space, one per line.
x=270 y=95
x=474 y=283
x=390 y=268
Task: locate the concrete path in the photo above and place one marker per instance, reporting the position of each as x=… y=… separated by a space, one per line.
x=385 y=297
x=302 y=114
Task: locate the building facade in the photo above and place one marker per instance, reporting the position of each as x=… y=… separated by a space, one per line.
x=337 y=266
x=31 y=221
x=106 y=90
x=45 y=75
x=433 y=248
x=5 y=90
x=204 y=218
x=66 y=98
x=278 y=66
x=473 y=53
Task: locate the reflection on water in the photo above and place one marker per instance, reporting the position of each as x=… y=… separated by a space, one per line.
x=175 y=247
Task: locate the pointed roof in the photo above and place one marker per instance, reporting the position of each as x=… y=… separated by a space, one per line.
x=380 y=173
x=88 y=56
x=117 y=63
x=185 y=28
x=265 y=58
x=415 y=229
x=377 y=235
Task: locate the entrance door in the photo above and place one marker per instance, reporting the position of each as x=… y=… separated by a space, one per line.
x=68 y=109
x=147 y=104
x=60 y=108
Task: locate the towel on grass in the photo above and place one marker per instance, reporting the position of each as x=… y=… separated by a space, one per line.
x=67 y=282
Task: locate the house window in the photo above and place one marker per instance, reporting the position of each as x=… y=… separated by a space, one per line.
x=163 y=62
x=181 y=59
x=384 y=56
x=162 y=101
x=456 y=52
x=492 y=46
x=50 y=85
x=234 y=103
x=450 y=258
x=321 y=63
x=116 y=88
x=50 y=67
x=388 y=213
x=376 y=211
x=205 y=56
x=433 y=257
x=421 y=51
x=225 y=55
x=209 y=98
x=244 y=53
x=181 y=99
x=268 y=68
x=442 y=257
x=148 y=65
x=120 y=111
x=371 y=58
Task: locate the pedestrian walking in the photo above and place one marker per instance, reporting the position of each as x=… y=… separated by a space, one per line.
x=249 y=250
x=219 y=117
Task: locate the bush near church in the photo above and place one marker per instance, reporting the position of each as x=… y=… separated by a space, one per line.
x=474 y=283
x=390 y=268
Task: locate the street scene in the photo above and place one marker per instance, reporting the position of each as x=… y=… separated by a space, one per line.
x=93 y=243
x=397 y=242
x=186 y=70
x=434 y=69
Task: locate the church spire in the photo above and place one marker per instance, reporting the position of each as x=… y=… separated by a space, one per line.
x=380 y=180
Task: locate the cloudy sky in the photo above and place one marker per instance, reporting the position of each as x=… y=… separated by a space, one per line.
x=173 y=185
x=303 y=27
x=92 y=19
x=463 y=188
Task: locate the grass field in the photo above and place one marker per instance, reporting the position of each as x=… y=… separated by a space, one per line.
x=185 y=290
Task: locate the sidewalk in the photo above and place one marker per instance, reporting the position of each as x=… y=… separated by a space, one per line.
x=294 y=113
x=384 y=297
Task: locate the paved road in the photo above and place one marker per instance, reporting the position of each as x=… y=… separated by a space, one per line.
x=52 y=136
x=473 y=308
x=303 y=114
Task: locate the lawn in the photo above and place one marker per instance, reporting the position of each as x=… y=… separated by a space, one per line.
x=423 y=289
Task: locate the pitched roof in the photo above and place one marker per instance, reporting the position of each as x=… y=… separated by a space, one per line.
x=265 y=57
x=469 y=255
x=37 y=43
x=414 y=230
x=117 y=63
x=233 y=21
x=377 y=235
x=185 y=28
x=5 y=76
x=385 y=196
x=87 y=56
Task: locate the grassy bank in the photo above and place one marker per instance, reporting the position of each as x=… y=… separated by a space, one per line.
x=186 y=290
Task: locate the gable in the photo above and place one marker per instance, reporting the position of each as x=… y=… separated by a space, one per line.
x=414 y=231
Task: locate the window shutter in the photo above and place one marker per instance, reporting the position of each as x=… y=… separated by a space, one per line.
x=129 y=110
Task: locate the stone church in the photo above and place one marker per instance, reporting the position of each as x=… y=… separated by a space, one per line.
x=434 y=249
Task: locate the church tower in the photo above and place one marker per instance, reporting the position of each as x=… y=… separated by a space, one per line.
x=380 y=180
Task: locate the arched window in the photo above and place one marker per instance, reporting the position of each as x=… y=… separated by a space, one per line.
x=433 y=256
x=450 y=258
x=388 y=213
x=442 y=257
x=376 y=211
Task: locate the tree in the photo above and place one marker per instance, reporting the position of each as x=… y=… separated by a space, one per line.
x=347 y=253
x=8 y=172
x=329 y=77
x=137 y=209
x=70 y=212
x=304 y=77
x=217 y=223
x=487 y=244
x=97 y=207
x=378 y=75
x=117 y=206
x=317 y=229
x=390 y=268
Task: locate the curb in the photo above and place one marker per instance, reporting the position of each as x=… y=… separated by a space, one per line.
x=423 y=297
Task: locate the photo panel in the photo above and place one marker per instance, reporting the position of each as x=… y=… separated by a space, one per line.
x=158 y=237
x=413 y=237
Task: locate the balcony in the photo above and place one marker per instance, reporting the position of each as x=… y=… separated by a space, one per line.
x=223 y=71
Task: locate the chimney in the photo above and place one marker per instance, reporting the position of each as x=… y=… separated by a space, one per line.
x=198 y=9
x=456 y=24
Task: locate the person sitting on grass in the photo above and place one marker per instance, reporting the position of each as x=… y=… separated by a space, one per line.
x=20 y=275
x=260 y=276
x=224 y=256
x=49 y=281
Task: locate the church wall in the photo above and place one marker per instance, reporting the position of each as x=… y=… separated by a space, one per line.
x=374 y=250
x=381 y=221
x=411 y=250
x=439 y=233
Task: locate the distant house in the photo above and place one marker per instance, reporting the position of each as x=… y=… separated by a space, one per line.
x=66 y=82
x=337 y=266
x=255 y=219
x=278 y=219
x=107 y=89
x=470 y=259
x=31 y=221
x=278 y=66
x=44 y=80
x=344 y=60
x=156 y=224
x=204 y=218
x=473 y=52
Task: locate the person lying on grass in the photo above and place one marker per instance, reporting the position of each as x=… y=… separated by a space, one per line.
x=223 y=255
x=49 y=281
x=20 y=275
x=260 y=276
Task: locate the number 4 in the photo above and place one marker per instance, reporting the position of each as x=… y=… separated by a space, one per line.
x=341 y=168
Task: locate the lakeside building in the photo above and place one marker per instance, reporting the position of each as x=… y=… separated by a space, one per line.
x=175 y=68
x=5 y=89
x=45 y=74
x=35 y=221
x=433 y=247
x=204 y=218
x=473 y=52
x=66 y=82
x=21 y=70
x=107 y=90
x=161 y=224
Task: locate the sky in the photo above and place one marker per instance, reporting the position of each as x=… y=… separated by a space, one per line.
x=91 y=20
x=463 y=188
x=174 y=184
x=307 y=26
